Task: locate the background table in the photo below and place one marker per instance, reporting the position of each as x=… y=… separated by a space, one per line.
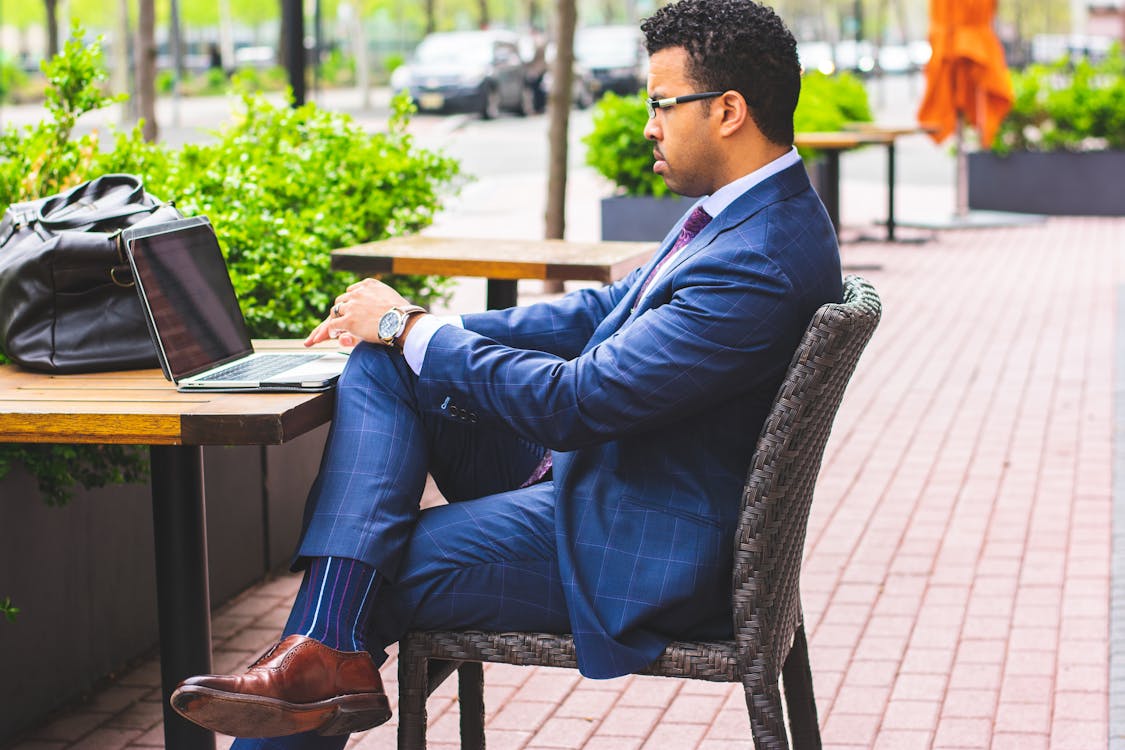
x=502 y=262
x=141 y=407
x=833 y=144
x=893 y=132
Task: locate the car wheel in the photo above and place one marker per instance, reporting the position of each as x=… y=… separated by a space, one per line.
x=527 y=102
x=490 y=109
x=582 y=97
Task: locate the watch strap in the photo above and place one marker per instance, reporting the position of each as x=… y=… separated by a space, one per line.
x=405 y=311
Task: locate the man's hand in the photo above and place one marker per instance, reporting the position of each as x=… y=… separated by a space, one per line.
x=354 y=316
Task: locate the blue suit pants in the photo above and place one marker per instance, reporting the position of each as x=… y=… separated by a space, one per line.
x=486 y=560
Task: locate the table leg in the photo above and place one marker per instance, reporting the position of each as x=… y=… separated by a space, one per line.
x=182 y=595
x=829 y=179
x=501 y=294
x=891 y=191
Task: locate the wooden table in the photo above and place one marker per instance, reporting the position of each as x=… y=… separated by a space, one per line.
x=502 y=262
x=833 y=144
x=893 y=132
x=141 y=407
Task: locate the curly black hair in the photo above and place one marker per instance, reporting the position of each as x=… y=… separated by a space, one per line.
x=735 y=45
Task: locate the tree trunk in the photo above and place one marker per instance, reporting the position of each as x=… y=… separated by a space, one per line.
x=431 y=16
x=52 y=8
x=293 y=46
x=121 y=82
x=482 y=5
x=146 y=68
x=226 y=36
x=558 y=110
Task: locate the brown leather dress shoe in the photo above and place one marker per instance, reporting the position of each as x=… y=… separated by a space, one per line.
x=299 y=685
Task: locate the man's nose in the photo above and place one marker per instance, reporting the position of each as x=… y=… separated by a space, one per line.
x=652 y=130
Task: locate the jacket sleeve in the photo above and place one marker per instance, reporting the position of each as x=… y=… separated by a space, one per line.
x=561 y=327
x=728 y=327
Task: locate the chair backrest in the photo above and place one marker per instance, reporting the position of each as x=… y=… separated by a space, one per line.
x=779 y=487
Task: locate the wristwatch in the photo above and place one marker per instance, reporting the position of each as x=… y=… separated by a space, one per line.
x=393 y=322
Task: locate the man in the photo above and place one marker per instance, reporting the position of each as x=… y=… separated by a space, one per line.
x=593 y=449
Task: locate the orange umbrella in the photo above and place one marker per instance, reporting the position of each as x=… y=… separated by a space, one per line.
x=966 y=74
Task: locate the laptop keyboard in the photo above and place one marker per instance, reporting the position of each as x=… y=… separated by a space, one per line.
x=260 y=368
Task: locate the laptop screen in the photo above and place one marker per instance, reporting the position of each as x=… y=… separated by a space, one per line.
x=184 y=279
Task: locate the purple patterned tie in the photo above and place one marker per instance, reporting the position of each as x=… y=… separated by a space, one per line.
x=693 y=226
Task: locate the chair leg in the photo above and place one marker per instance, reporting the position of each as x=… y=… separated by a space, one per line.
x=797 y=677
x=413 y=689
x=470 y=693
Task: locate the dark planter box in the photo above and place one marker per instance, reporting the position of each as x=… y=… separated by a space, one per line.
x=641 y=219
x=83 y=574
x=1059 y=183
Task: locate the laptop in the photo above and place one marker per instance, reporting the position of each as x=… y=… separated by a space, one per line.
x=195 y=321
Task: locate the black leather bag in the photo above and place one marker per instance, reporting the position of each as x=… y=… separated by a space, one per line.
x=67 y=299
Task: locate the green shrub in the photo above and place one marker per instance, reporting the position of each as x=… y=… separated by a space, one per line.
x=1067 y=107
x=282 y=186
x=337 y=69
x=828 y=103
x=12 y=78
x=616 y=148
x=285 y=186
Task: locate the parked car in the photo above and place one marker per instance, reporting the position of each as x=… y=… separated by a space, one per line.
x=584 y=86
x=475 y=71
x=614 y=56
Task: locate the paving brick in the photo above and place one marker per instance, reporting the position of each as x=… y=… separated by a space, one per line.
x=71 y=726
x=106 y=738
x=1019 y=741
x=1023 y=717
x=693 y=709
x=730 y=725
x=969 y=704
x=1076 y=735
x=142 y=715
x=1071 y=706
x=548 y=685
x=919 y=687
x=921 y=715
x=629 y=721
x=613 y=743
x=963 y=733
x=854 y=699
x=650 y=692
x=525 y=715
x=1026 y=689
x=872 y=673
x=858 y=729
x=561 y=732
x=902 y=739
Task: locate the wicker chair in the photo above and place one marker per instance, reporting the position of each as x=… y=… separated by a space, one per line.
x=768 y=621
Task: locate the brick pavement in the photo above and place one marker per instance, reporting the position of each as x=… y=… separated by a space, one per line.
x=957 y=577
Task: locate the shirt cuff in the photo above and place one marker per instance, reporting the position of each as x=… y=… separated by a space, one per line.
x=416 y=344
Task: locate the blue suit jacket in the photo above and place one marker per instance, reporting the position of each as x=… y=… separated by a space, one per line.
x=652 y=413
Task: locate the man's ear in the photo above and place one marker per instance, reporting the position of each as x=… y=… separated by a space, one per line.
x=734 y=112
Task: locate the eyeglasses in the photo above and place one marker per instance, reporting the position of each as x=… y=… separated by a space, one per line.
x=654 y=104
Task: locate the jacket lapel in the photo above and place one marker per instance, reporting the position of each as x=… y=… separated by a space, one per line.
x=778 y=187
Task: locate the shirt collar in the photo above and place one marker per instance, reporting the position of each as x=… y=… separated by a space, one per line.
x=724 y=196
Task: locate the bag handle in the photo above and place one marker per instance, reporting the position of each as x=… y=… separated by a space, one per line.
x=101 y=201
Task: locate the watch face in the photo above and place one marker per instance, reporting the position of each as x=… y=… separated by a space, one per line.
x=388 y=325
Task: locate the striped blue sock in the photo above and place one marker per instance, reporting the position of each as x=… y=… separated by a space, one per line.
x=332 y=603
